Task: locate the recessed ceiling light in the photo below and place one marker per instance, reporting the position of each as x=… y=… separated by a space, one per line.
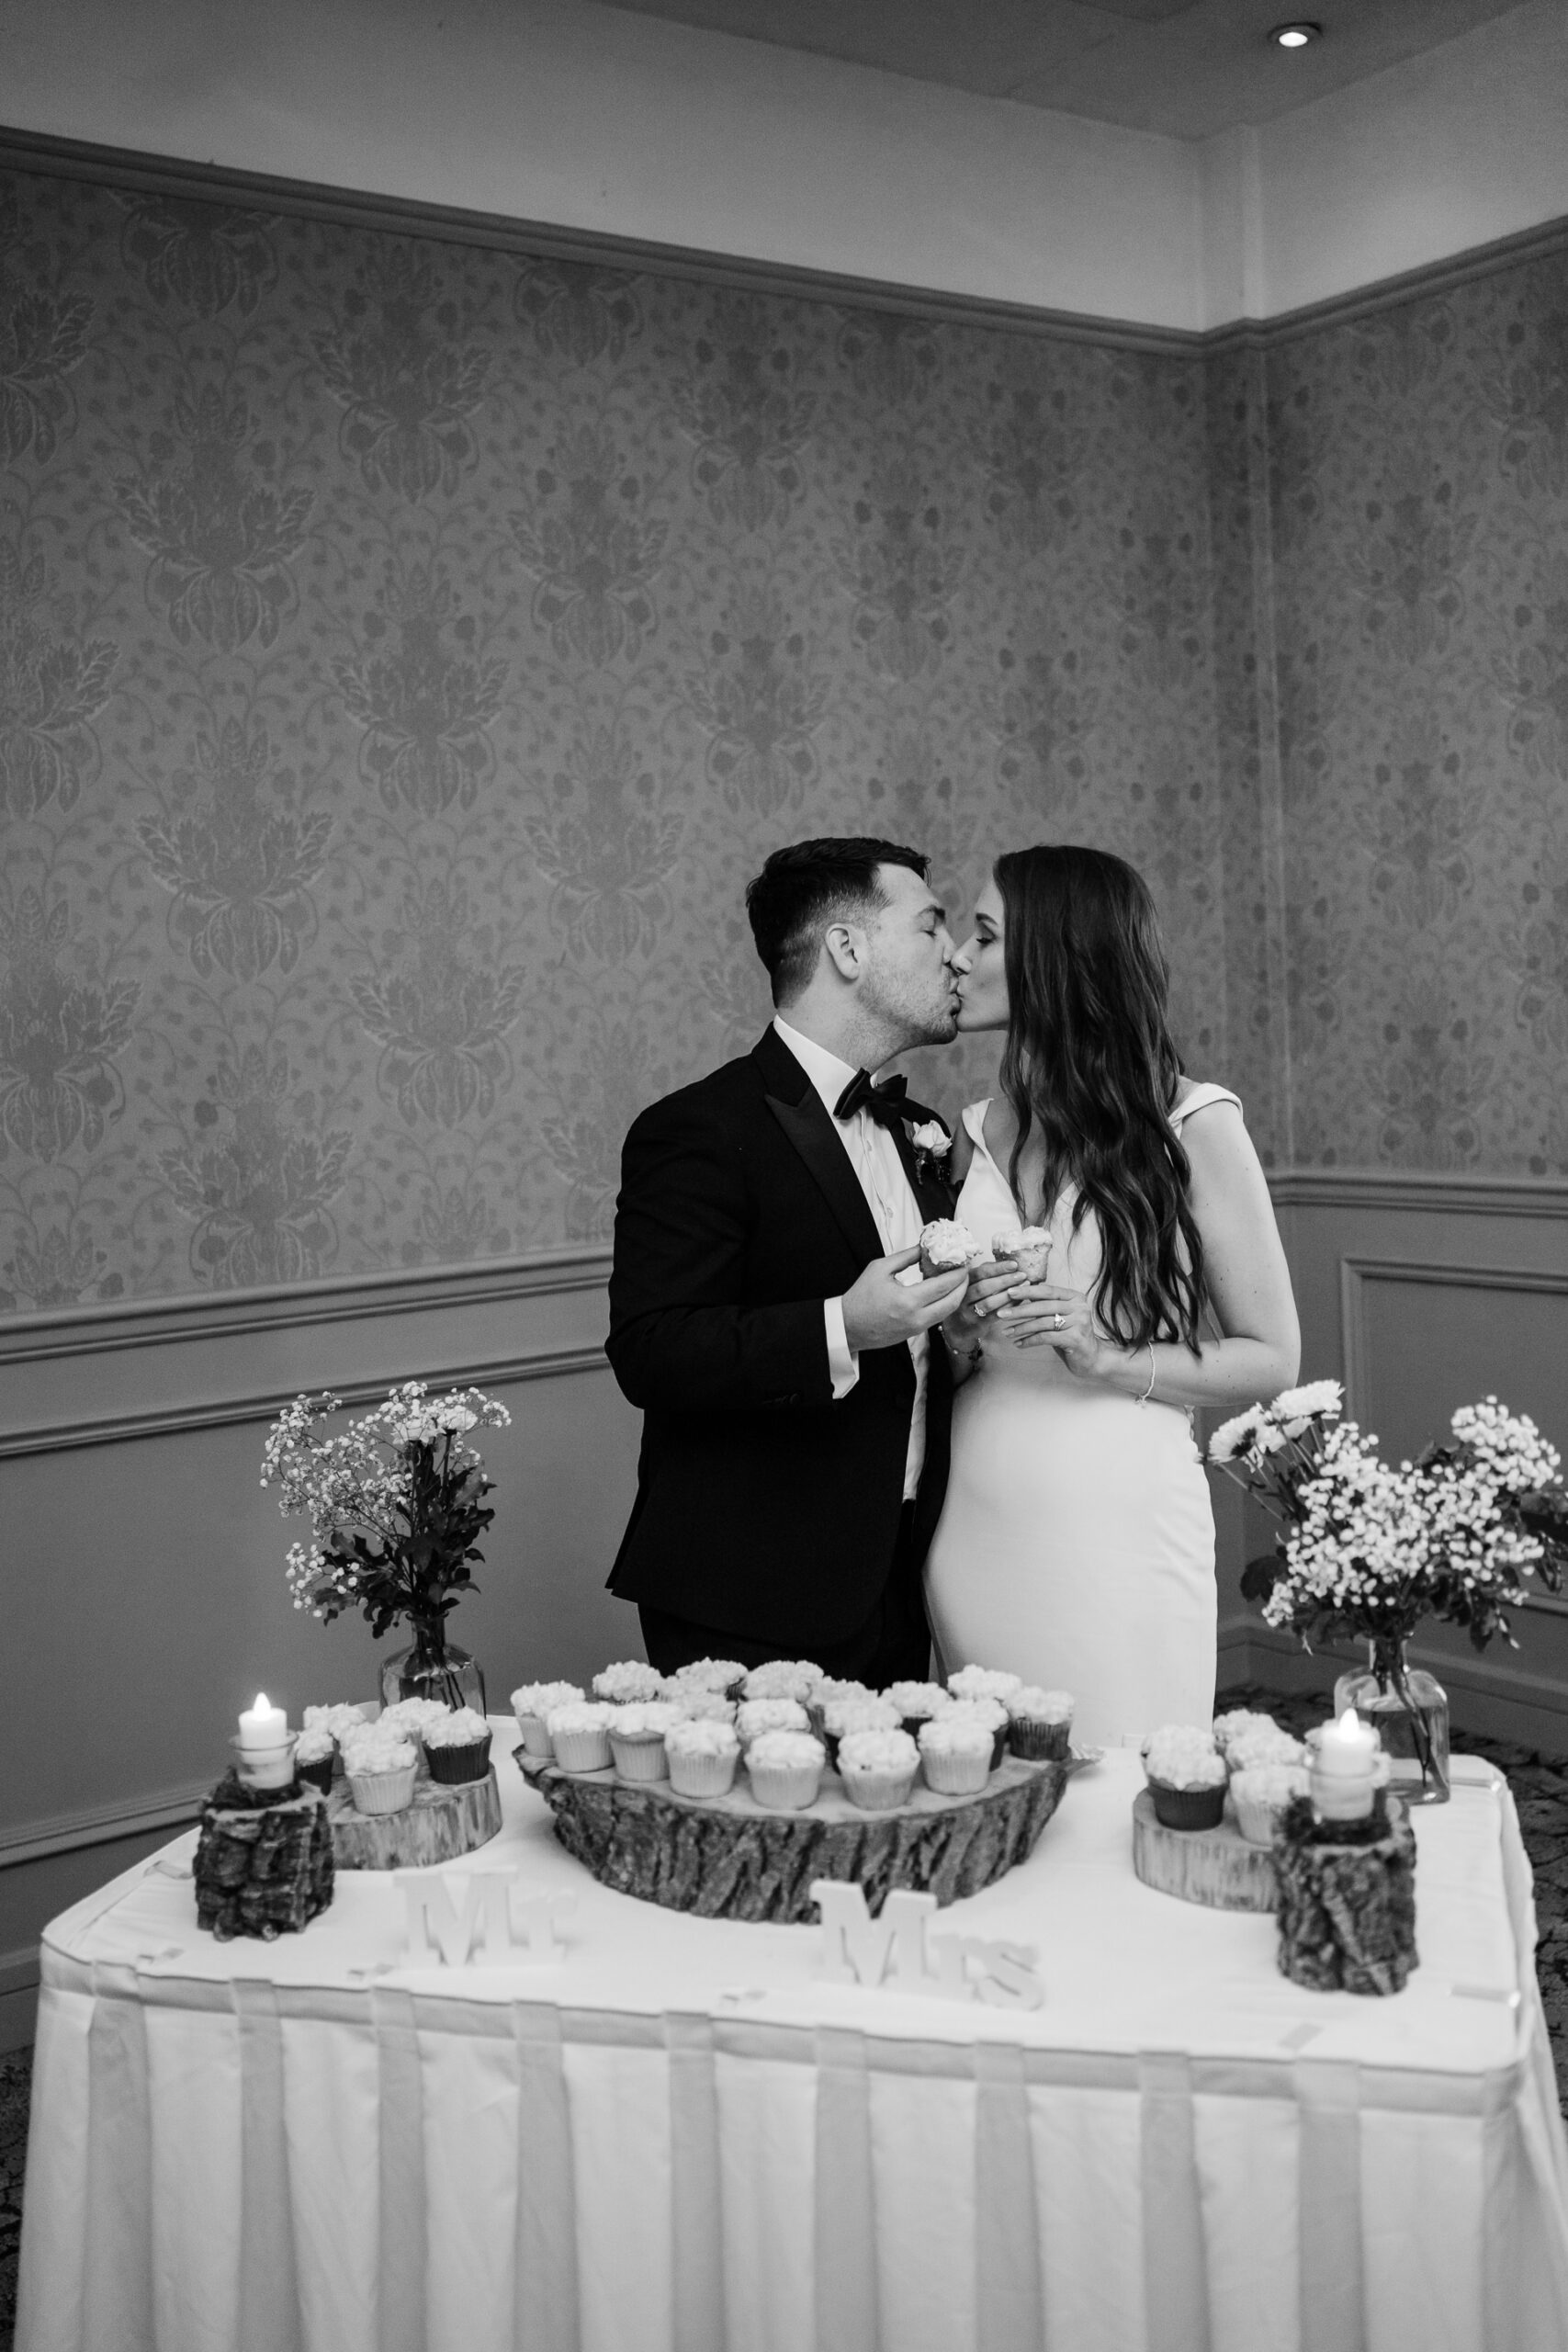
x=1295 y=36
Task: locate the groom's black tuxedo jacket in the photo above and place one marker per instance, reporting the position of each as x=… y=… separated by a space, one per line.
x=763 y=1509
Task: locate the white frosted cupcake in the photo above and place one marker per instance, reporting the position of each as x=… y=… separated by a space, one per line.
x=918 y=1704
x=949 y=1248
x=1026 y=1246
x=754 y=1716
x=1260 y=1793
x=315 y=1755
x=636 y=1739
x=782 y=1678
x=579 y=1735
x=956 y=1754
x=1237 y=1720
x=703 y=1756
x=457 y=1751
x=992 y=1712
x=341 y=1720
x=833 y=1686
x=411 y=1717
x=628 y=1683
x=723 y=1675
x=841 y=1716
x=533 y=1704
x=705 y=1706
x=1039 y=1722
x=878 y=1769
x=1263 y=1744
x=1187 y=1777
x=785 y=1769
x=984 y=1682
x=382 y=1768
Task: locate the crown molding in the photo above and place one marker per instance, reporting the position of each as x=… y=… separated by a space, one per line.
x=454 y=224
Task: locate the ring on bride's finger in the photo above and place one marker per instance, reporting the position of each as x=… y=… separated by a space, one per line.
x=1059 y=1322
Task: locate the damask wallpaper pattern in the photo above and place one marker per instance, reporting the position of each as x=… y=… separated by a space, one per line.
x=408 y=652
x=1420 y=546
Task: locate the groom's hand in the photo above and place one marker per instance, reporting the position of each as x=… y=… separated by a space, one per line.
x=880 y=1311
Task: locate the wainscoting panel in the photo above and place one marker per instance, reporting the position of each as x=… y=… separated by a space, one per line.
x=145 y=1593
x=1422 y=1295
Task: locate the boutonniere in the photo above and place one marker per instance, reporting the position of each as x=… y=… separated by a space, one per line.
x=932 y=1145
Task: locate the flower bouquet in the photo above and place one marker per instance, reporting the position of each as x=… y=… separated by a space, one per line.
x=1368 y=1550
x=396 y=1504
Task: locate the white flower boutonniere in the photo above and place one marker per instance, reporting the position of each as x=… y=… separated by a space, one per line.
x=933 y=1143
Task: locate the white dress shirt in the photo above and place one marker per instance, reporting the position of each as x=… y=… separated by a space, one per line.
x=873 y=1156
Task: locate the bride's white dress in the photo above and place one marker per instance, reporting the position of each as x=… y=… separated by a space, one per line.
x=1077 y=1545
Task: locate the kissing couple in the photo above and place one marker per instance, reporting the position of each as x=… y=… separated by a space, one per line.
x=843 y=1459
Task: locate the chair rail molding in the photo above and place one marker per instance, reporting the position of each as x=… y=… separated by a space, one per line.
x=233 y=1356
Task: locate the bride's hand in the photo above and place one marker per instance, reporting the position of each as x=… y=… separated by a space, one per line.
x=1044 y=1315
x=970 y=1320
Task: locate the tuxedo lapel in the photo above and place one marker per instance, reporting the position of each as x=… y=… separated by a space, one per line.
x=933 y=1194
x=797 y=1105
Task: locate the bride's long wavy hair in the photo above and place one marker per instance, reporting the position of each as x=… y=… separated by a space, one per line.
x=1089 y=1064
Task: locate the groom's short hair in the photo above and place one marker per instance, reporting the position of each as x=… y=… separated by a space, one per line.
x=803 y=888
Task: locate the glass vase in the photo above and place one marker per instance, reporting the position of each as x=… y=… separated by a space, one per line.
x=433 y=1667
x=1409 y=1710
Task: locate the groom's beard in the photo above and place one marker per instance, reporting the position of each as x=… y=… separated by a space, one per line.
x=923 y=1018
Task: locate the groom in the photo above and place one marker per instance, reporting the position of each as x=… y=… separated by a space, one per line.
x=795 y=1409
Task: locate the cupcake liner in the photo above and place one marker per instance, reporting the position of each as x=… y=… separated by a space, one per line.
x=1039 y=1742
x=384 y=1791
x=703 y=1776
x=640 y=1755
x=955 y=1776
x=318 y=1774
x=999 y=1747
x=879 y=1792
x=1188 y=1808
x=1255 y=1818
x=914 y=1725
x=535 y=1739
x=454 y=1766
x=785 y=1788
x=583 y=1751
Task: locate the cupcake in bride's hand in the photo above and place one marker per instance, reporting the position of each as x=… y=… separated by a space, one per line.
x=949 y=1248
x=1028 y=1247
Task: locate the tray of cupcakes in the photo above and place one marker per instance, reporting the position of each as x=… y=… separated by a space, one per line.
x=407 y=1787
x=727 y=1791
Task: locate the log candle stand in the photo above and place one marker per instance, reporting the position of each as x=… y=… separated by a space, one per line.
x=1347 y=1899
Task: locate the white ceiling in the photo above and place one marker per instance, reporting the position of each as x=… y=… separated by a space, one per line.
x=1188 y=67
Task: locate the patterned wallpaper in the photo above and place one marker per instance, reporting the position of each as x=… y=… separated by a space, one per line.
x=1420 y=545
x=408 y=650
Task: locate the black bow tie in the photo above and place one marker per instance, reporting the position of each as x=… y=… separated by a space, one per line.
x=889 y=1105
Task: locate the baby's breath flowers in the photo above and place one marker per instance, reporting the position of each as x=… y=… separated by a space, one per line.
x=395 y=1501
x=1372 y=1550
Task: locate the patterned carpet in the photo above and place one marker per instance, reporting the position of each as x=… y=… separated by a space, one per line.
x=1540 y=1791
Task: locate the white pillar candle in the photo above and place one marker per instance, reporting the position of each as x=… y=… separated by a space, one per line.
x=1341 y=1774
x=263 y=1725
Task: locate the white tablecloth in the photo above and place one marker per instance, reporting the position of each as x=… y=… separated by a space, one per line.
x=677 y=2138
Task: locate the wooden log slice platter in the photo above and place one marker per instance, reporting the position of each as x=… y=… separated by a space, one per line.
x=1216 y=1867
x=440 y=1824
x=729 y=1858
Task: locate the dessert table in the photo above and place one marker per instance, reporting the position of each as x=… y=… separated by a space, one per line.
x=676 y=2138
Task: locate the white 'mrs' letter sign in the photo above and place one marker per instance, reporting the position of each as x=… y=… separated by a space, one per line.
x=859 y=1949
x=505 y=1932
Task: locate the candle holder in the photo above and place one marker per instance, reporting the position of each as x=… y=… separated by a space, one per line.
x=1346 y=1897
x=266 y=1768
x=264 y=1860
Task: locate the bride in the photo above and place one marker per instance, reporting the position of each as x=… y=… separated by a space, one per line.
x=1077 y=1546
